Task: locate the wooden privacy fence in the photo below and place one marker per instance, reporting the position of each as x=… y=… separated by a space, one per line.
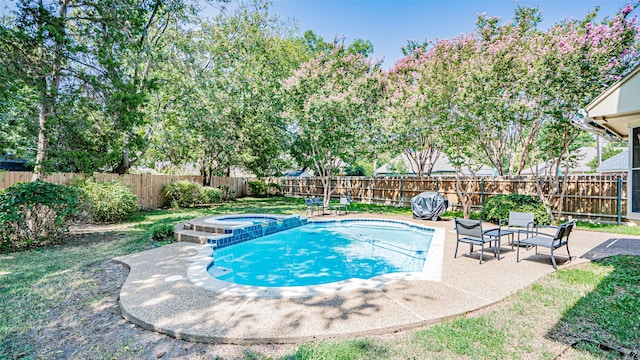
x=587 y=197
x=148 y=188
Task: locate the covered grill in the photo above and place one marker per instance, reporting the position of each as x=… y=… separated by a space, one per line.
x=428 y=205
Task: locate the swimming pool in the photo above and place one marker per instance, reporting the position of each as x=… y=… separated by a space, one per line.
x=323 y=257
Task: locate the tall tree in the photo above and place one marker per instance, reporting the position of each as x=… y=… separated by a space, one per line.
x=36 y=49
x=331 y=101
x=128 y=39
x=228 y=73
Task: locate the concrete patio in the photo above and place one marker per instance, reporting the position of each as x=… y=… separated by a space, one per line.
x=159 y=296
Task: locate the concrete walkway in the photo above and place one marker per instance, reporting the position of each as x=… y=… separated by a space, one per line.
x=158 y=295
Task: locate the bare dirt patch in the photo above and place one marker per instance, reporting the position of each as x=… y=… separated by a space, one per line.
x=90 y=325
x=86 y=321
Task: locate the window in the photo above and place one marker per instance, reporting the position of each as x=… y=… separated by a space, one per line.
x=635 y=171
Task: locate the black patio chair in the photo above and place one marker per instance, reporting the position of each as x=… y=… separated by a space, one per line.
x=552 y=242
x=470 y=231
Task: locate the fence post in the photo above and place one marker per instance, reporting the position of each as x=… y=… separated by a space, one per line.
x=437 y=185
x=481 y=192
x=619 y=200
x=371 y=190
x=400 y=198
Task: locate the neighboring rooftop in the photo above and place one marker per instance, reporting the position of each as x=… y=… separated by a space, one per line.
x=297 y=173
x=582 y=156
x=442 y=166
x=12 y=164
x=616 y=164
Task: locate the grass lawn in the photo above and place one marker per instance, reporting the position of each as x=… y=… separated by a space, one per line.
x=61 y=302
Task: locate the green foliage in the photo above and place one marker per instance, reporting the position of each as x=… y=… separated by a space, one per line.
x=228 y=113
x=334 y=101
x=497 y=207
x=260 y=188
x=107 y=202
x=227 y=192
x=397 y=167
x=162 y=232
x=35 y=214
x=181 y=194
x=355 y=170
x=257 y=188
x=608 y=151
x=211 y=195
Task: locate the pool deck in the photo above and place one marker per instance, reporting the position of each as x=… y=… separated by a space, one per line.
x=159 y=296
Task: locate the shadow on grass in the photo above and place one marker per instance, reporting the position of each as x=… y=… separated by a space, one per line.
x=605 y=322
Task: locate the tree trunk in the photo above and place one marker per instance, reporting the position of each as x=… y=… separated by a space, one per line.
x=124 y=164
x=43 y=140
x=49 y=92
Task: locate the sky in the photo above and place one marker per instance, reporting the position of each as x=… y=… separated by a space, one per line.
x=388 y=24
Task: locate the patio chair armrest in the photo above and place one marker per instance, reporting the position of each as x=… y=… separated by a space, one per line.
x=548 y=227
x=532 y=226
x=539 y=235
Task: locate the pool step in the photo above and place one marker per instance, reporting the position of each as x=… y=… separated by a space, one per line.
x=195 y=236
x=222 y=234
x=206 y=228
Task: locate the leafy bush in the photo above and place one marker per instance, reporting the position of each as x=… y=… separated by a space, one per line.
x=181 y=194
x=355 y=170
x=227 y=192
x=260 y=189
x=35 y=214
x=274 y=189
x=212 y=195
x=107 y=202
x=162 y=232
x=257 y=188
x=498 y=207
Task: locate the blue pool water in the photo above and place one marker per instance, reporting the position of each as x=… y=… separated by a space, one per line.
x=320 y=253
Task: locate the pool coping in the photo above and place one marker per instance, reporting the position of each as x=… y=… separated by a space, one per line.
x=157 y=295
x=198 y=273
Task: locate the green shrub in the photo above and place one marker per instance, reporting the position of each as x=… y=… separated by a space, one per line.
x=355 y=170
x=227 y=192
x=212 y=195
x=257 y=188
x=107 y=202
x=274 y=189
x=35 y=214
x=181 y=194
x=162 y=232
x=498 y=207
x=260 y=188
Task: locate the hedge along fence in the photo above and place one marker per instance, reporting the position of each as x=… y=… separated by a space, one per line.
x=587 y=197
x=148 y=188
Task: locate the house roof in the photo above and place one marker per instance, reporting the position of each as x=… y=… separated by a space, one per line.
x=616 y=163
x=611 y=112
x=441 y=166
x=582 y=155
x=298 y=173
x=10 y=164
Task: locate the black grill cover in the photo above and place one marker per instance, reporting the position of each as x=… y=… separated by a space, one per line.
x=428 y=205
